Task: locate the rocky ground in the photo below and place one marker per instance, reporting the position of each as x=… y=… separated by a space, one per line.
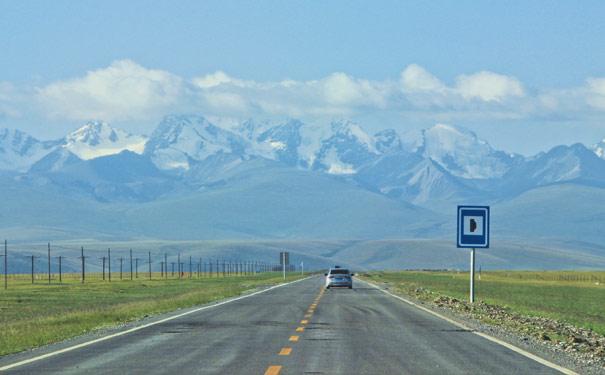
x=572 y=347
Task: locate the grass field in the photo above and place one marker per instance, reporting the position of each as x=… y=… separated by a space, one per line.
x=32 y=315
x=575 y=298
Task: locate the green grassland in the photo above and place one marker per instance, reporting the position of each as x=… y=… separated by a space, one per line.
x=575 y=298
x=32 y=315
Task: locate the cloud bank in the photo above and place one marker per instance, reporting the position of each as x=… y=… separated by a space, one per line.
x=127 y=91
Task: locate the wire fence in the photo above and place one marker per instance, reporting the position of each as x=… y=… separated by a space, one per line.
x=558 y=276
x=47 y=264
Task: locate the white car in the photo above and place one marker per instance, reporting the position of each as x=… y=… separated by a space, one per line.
x=339 y=277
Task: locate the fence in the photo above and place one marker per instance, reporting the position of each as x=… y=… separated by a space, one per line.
x=123 y=264
x=558 y=276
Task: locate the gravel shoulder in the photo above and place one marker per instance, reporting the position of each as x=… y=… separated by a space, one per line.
x=571 y=347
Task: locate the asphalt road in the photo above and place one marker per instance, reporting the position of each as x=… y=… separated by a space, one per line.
x=295 y=329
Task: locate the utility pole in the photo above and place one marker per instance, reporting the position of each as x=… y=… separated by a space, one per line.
x=137 y=266
x=49 y=262
x=130 y=264
x=166 y=263
x=179 y=264
x=109 y=263
x=103 y=267
x=162 y=269
x=149 y=255
x=32 y=256
x=189 y=266
x=5 y=264
x=83 y=268
x=121 y=259
x=60 y=257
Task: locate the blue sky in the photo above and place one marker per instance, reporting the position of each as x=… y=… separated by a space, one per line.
x=525 y=76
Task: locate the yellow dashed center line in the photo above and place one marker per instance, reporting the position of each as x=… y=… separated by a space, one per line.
x=273 y=370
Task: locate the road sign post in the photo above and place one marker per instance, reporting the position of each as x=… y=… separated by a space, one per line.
x=473 y=232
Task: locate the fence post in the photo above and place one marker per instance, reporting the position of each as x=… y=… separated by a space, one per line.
x=130 y=264
x=83 y=267
x=5 y=265
x=109 y=263
x=166 y=263
x=103 y=267
x=49 y=262
x=59 y=257
x=149 y=254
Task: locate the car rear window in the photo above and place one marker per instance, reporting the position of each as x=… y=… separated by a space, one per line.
x=339 y=272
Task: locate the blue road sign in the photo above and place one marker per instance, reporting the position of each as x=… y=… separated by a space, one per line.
x=473 y=226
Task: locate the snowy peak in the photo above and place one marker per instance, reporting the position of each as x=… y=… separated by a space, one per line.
x=346 y=149
x=566 y=163
x=99 y=139
x=179 y=140
x=599 y=149
x=19 y=151
x=388 y=141
x=463 y=154
x=282 y=142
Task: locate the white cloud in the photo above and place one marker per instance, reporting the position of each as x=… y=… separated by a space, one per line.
x=489 y=86
x=596 y=93
x=417 y=79
x=122 y=91
x=219 y=78
x=9 y=97
x=126 y=91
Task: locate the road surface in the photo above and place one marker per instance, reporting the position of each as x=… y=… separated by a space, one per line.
x=299 y=328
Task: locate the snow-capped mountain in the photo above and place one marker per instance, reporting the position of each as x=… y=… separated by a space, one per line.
x=599 y=149
x=99 y=139
x=179 y=141
x=428 y=168
x=19 y=151
x=346 y=149
x=292 y=174
x=282 y=142
x=562 y=164
x=463 y=154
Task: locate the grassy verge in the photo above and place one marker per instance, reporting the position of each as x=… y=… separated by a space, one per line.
x=40 y=314
x=580 y=304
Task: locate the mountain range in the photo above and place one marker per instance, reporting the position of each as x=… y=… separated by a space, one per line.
x=195 y=179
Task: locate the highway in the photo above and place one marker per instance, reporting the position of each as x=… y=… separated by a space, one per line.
x=299 y=328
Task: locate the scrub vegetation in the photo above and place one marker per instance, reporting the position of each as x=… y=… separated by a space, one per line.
x=33 y=315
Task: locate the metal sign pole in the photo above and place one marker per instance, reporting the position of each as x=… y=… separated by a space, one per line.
x=473 y=275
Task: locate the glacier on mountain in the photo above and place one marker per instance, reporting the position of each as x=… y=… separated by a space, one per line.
x=97 y=138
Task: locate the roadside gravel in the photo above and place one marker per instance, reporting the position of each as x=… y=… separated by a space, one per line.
x=572 y=347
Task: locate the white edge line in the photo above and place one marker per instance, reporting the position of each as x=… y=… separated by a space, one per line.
x=486 y=336
x=65 y=350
